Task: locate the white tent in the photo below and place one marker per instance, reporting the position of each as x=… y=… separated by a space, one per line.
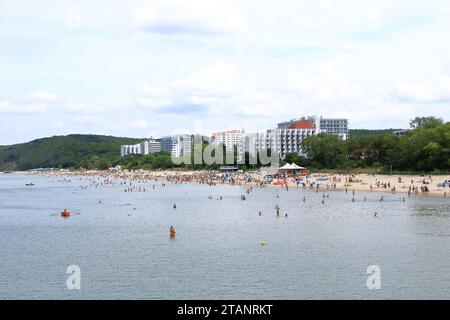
x=293 y=166
x=292 y=169
x=287 y=166
x=296 y=167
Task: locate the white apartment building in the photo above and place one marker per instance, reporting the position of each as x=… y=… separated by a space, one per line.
x=282 y=141
x=181 y=145
x=230 y=139
x=145 y=147
x=335 y=126
x=338 y=127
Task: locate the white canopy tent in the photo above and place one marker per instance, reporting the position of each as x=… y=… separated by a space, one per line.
x=291 y=168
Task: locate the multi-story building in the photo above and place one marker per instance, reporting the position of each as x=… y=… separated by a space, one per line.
x=284 y=140
x=166 y=144
x=145 y=147
x=153 y=145
x=337 y=126
x=181 y=145
x=229 y=138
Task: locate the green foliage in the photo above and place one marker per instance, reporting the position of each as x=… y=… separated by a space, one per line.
x=161 y=160
x=297 y=159
x=73 y=151
x=425 y=122
x=325 y=150
x=425 y=149
x=366 y=133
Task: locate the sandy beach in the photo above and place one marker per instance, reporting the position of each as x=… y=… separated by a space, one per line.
x=405 y=184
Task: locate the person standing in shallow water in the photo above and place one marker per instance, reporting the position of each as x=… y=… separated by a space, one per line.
x=277 y=209
x=172 y=232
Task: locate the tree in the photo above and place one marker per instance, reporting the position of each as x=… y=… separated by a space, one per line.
x=325 y=150
x=292 y=157
x=425 y=122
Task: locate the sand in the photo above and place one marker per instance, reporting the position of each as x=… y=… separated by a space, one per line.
x=353 y=182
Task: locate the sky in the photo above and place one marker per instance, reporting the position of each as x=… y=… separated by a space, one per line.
x=154 y=68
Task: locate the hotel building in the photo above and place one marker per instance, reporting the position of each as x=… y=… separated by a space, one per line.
x=335 y=126
x=284 y=140
x=145 y=147
x=181 y=145
x=230 y=139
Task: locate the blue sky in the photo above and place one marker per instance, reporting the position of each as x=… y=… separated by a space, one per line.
x=153 y=68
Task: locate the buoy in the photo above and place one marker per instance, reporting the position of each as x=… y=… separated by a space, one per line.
x=263 y=242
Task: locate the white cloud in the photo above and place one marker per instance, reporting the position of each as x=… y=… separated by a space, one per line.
x=267 y=61
x=138 y=124
x=44 y=96
x=154 y=97
x=218 y=79
x=25 y=108
x=199 y=17
x=5 y=106
x=76 y=107
x=436 y=92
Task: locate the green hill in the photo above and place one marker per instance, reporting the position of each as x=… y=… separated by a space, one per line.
x=72 y=151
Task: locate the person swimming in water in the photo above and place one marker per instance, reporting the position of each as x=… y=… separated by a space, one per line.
x=172 y=231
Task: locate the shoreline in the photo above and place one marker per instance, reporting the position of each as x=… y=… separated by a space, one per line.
x=413 y=185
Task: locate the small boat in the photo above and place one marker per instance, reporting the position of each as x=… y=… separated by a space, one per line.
x=65 y=213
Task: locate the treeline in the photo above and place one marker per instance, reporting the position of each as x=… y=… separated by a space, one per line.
x=424 y=148
x=72 y=151
x=163 y=160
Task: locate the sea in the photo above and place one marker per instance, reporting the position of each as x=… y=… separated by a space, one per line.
x=116 y=244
